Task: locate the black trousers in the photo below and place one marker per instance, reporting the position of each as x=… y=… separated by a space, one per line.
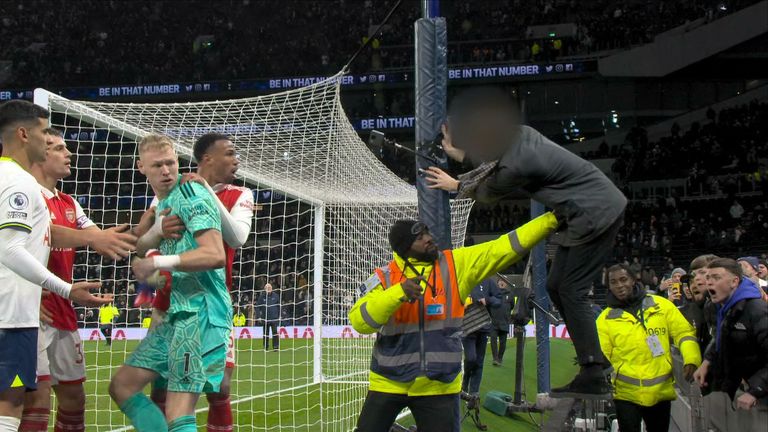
x=106 y=330
x=275 y=336
x=498 y=344
x=630 y=414
x=570 y=279
x=474 y=357
x=432 y=413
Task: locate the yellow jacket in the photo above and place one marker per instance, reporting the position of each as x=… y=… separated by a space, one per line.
x=641 y=377
x=108 y=313
x=238 y=320
x=473 y=264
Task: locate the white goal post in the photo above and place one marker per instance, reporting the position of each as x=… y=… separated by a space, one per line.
x=324 y=206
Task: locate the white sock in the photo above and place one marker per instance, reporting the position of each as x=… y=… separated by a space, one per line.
x=9 y=424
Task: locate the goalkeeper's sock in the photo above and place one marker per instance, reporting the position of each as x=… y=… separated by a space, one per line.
x=34 y=420
x=183 y=424
x=144 y=415
x=219 y=413
x=70 y=421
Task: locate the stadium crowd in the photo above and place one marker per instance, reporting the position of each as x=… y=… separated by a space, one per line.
x=203 y=40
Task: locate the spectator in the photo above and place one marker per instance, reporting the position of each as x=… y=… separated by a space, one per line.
x=739 y=352
x=694 y=308
x=641 y=354
x=500 y=321
x=269 y=312
x=636 y=267
x=736 y=211
x=672 y=281
x=750 y=268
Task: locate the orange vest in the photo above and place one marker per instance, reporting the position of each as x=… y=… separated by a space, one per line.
x=422 y=337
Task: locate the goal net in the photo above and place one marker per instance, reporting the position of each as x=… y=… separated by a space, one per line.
x=324 y=204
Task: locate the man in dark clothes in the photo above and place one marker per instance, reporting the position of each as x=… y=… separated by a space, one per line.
x=488 y=295
x=511 y=160
x=269 y=311
x=500 y=321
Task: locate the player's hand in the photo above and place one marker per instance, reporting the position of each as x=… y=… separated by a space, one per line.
x=143 y=268
x=81 y=294
x=116 y=242
x=45 y=315
x=700 y=376
x=439 y=179
x=448 y=148
x=482 y=301
x=193 y=177
x=688 y=371
x=146 y=222
x=746 y=402
x=173 y=226
x=412 y=288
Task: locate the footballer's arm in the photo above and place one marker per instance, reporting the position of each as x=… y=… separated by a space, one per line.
x=208 y=255
x=116 y=242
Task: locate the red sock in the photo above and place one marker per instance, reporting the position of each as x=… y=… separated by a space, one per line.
x=34 y=420
x=219 y=414
x=70 y=421
x=159 y=400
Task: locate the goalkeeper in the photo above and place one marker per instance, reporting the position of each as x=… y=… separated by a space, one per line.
x=189 y=348
x=415 y=304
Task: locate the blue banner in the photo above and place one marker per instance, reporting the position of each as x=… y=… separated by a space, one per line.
x=509 y=71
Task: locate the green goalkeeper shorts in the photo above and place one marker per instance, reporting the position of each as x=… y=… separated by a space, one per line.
x=187 y=352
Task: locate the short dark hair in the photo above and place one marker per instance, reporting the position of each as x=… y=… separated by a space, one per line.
x=205 y=142
x=729 y=264
x=702 y=261
x=54 y=132
x=620 y=267
x=17 y=111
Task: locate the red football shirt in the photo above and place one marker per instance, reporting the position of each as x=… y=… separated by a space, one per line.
x=65 y=211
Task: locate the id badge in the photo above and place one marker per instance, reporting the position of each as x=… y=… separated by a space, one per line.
x=435 y=309
x=657 y=349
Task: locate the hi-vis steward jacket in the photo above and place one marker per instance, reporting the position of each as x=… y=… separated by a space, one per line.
x=418 y=347
x=642 y=377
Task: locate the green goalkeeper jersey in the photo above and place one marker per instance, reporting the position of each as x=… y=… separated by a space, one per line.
x=204 y=291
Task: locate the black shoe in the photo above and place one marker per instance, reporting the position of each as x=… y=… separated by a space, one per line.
x=589 y=383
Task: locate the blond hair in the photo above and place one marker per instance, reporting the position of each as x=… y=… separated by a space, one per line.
x=155 y=141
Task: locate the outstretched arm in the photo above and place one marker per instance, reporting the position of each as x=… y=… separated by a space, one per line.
x=475 y=263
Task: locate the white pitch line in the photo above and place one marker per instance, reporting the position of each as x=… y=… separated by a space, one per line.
x=245 y=399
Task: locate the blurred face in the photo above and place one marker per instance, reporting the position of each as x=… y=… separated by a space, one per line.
x=621 y=284
x=221 y=161
x=58 y=158
x=720 y=284
x=485 y=134
x=161 y=167
x=424 y=248
x=699 y=284
x=762 y=271
x=747 y=269
x=268 y=288
x=676 y=277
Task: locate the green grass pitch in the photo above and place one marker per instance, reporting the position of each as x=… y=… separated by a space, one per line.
x=288 y=401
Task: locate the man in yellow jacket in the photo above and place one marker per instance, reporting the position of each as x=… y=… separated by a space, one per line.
x=107 y=315
x=415 y=304
x=635 y=332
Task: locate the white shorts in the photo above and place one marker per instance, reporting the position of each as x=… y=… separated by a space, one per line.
x=231 y=349
x=60 y=357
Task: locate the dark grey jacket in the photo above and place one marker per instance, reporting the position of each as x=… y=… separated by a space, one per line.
x=538 y=168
